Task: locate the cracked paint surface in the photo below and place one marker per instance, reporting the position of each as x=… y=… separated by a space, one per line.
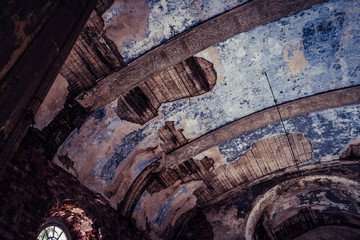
x=163 y=208
x=322 y=56
x=330 y=131
x=162 y=20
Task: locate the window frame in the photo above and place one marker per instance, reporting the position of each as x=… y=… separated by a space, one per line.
x=56 y=223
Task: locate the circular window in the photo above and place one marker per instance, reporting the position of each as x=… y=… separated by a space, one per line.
x=54 y=229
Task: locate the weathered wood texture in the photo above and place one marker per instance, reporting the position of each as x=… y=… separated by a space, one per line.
x=263 y=118
x=236 y=21
x=265 y=157
x=31 y=77
x=192 y=77
x=170 y=137
x=93 y=56
x=299 y=107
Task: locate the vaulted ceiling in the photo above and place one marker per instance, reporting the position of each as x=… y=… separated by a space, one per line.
x=204 y=113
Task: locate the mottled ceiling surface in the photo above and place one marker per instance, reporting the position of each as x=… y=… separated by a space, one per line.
x=278 y=100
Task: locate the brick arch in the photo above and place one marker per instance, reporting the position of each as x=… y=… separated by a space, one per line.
x=77 y=217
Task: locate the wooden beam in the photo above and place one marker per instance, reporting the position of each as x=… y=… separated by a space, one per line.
x=241 y=19
x=27 y=83
x=338 y=98
x=333 y=99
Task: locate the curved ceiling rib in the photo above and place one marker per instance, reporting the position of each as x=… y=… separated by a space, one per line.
x=187 y=44
x=333 y=99
x=336 y=173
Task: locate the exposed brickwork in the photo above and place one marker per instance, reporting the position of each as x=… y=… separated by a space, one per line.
x=33 y=189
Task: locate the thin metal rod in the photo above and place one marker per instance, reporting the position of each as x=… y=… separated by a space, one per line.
x=282 y=121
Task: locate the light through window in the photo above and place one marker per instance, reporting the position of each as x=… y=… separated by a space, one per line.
x=54 y=229
x=52 y=233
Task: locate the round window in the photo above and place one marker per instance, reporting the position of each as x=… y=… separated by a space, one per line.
x=54 y=229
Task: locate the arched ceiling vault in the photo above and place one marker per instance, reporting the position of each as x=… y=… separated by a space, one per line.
x=196 y=109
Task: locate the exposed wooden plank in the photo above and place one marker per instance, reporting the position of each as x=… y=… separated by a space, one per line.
x=33 y=74
x=155 y=88
x=93 y=56
x=333 y=99
x=266 y=155
x=165 y=89
x=241 y=19
x=185 y=78
x=275 y=150
x=153 y=100
x=178 y=82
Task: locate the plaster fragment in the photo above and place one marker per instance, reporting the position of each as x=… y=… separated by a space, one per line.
x=294 y=57
x=53 y=103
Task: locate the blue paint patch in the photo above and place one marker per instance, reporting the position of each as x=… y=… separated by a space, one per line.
x=329 y=131
x=169 y=18
x=323 y=37
x=99 y=114
x=329 y=39
x=166 y=206
x=141 y=200
x=236 y=147
x=141 y=165
x=128 y=145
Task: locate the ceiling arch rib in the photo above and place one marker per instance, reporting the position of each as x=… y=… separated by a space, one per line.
x=342 y=97
x=295 y=186
x=187 y=44
x=333 y=174
x=323 y=101
x=245 y=97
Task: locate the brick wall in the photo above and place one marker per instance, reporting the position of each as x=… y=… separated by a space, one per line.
x=33 y=189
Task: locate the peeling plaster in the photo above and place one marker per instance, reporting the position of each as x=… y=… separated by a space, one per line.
x=163 y=208
x=53 y=103
x=294 y=58
x=103 y=145
x=164 y=20
x=330 y=130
